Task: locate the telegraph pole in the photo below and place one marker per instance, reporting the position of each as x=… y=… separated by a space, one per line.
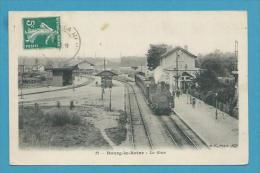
x=110 y=90
x=104 y=63
x=235 y=69
x=103 y=82
x=216 y=97
x=177 y=70
x=236 y=54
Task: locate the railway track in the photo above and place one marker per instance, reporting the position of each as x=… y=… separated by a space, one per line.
x=140 y=133
x=180 y=134
x=197 y=141
x=179 y=137
x=128 y=112
x=60 y=89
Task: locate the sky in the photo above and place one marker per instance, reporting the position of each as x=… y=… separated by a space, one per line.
x=115 y=34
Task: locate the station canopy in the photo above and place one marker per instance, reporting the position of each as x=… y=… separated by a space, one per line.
x=106 y=73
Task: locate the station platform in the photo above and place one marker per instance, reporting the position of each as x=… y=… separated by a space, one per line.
x=216 y=131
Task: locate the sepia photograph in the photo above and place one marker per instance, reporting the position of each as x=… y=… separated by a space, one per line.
x=128 y=87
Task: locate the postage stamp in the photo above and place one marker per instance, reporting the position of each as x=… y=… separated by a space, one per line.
x=42 y=32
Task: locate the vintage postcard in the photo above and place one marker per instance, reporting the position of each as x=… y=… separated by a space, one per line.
x=128 y=88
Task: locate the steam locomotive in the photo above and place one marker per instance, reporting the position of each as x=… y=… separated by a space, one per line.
x=158 y=95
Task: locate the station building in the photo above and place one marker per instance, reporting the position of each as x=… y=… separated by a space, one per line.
x=177 y=68
x=69 y=71
x=83 y=67
x=61 y=76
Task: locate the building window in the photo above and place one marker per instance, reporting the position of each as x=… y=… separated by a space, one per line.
x=186 y=66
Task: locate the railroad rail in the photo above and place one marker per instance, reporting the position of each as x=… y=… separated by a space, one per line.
x=181 y=135
x=60 y=89
x=181 y=139
x=200 y=143
x=140 y=133
x=130 y=118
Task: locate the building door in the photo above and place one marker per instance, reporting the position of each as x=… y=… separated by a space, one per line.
x=67 y=77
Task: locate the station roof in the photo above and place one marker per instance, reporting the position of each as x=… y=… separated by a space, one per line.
x=75 y=62
x=61 y=68
x=106 y=73
x=169 y=52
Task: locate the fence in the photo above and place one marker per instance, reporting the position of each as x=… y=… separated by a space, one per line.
x=57 y=104
x=228 y=107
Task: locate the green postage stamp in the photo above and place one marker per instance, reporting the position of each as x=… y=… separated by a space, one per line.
x=42 y=32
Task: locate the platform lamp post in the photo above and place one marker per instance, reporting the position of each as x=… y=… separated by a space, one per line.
x=110 y=90
x=188 y=93
x=102 y=88
x=177 y=76
x=216 y=95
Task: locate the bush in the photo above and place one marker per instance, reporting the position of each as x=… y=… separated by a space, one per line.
x=61 y=117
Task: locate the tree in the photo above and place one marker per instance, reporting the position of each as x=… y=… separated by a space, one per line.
x=217 y=64
x=154 y=55
x=221 y=63
x=207 y=80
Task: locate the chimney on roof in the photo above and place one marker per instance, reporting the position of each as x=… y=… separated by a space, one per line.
x=185 y=47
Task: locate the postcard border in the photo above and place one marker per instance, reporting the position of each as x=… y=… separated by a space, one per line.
x=253 y=8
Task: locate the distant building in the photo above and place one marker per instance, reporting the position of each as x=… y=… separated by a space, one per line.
x=83 y=66
x=38 y=68
x=66 y=74
x=177 y=68
x=33 y=81
x=28 y=69
x=61 y=76
x=31 y=68
x=106 y=78
x=31 y=76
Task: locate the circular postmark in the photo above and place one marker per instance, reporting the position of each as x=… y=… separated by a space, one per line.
x=71 y=41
